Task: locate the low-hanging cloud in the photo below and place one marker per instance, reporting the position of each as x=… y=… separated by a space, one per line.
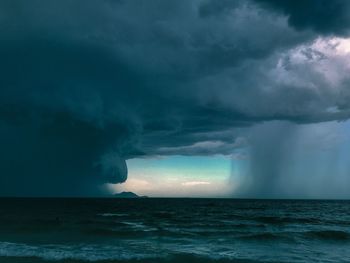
x=86 y=85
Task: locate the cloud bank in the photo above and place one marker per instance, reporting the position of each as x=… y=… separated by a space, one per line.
x=86 y=85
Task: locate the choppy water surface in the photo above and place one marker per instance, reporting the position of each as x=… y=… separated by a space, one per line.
x=173 y=230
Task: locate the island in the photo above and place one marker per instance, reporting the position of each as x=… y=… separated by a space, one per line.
x=128 y=195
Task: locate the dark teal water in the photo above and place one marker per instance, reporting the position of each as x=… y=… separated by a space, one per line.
x=173 y=230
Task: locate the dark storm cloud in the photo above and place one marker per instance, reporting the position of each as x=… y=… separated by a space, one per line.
x=86 y=85
x=326 y=17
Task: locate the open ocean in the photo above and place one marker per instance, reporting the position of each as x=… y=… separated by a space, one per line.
x=173 y=230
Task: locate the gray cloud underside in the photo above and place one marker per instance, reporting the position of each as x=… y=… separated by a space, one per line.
x=322 y=16
x=86 y=84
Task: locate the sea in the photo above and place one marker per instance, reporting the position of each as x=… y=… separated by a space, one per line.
x=104 y=230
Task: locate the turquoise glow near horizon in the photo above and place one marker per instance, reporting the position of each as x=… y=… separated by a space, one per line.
x=179 y=176
x=315 y=165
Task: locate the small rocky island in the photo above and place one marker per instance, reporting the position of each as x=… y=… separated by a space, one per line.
x=128 y=195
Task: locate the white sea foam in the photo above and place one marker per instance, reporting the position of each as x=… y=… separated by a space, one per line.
x=79 y=252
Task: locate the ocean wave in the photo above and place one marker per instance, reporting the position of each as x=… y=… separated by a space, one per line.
x=13 y=252
x=112 y=214
x=80 y=252
x=267 y=237
x=335 y=235
x=164 y=215
x=286 y=220
x=119 y=233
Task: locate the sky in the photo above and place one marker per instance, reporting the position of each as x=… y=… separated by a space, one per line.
x=179 y=176
x=202 y=98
